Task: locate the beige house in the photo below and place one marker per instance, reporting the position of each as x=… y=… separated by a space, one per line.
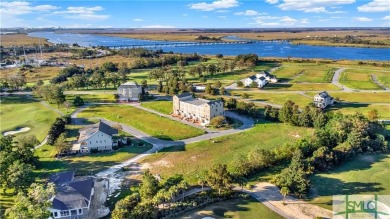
x=129 y=91
x=197 y=109
x=322 y=100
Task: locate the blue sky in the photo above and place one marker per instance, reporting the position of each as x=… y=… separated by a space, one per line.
x=196 y=13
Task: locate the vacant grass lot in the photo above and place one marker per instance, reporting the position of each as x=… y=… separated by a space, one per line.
x=366 y=174
x=162 y=106
x=236 y=208
x=21 y=40
x=305 y=72
x=301 y=87
x=276 y=98
x=23 y=111
x=383 y=110
x=34 y=74
x=191 y=159
x=358 y=79
x=156 y=126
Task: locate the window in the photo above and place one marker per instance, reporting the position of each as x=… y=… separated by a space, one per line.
x=90 y=142
x=64 y=213
x=100 y=141
x=55 y=214
x=80 y=211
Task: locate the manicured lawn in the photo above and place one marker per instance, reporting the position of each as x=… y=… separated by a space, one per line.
x=276 y=98
x=160 y=106
x=366 y=174
x=305 y=72
x=359 y=96
x=236 y=208
x=383 y=110
x=23 y=111
x=193 y=158
x=92 y=98
x=358 y=79
x=156 y=126
x=301 y=87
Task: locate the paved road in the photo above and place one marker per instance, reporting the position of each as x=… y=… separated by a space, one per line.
x=335 y=80
x=375 y=80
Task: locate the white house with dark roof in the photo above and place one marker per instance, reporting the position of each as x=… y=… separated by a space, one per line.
x=197 y=109
x=73 y=196
x=261 y=78
x=129 y=91
x=98 y=137
x=322 y=100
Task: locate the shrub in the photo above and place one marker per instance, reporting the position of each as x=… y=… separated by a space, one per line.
x=78 y=101
x=240 y=84
x=218 y=121
x=94 y=151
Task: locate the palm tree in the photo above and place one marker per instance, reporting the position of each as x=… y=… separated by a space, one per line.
x=284 y=191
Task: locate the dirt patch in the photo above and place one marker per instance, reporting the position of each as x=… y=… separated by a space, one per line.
x=162 y=163
x=294 y=135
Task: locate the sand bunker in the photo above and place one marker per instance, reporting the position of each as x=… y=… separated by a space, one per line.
x=18 y=130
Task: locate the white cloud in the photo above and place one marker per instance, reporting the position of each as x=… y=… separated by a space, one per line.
x=248 y=13
x=386 y=18
x=362 y=19
x=375 y=6
x=313 y=6
x=280 y=21
x=222 y=17
x=84 y=13
x=272 y=1
x=222 y=11
x=138 y=20
x=158 y=26
x=21 y=7
x=215 y=5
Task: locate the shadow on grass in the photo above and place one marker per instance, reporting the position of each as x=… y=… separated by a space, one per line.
x=277 y=86
x=17 y=99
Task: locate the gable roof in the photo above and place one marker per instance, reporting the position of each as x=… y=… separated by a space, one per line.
x=323 y=94
x=61 y=177
x=186 y=94
x=253 y=77
x=85 y=133
x=73 y=195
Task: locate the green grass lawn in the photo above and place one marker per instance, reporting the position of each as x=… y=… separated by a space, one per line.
x=161 y=106
x=276 y=98
x=193 y=158
x=358 y=79
x=383 y=110
x=235 y=208
x=156 y=126
x=366 y=174
x=301 y=87
x=305 y=72
x=23 y=111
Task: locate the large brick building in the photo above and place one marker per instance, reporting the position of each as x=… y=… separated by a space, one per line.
x=196 y=109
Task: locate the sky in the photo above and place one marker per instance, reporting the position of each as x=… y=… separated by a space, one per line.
x=195 y=13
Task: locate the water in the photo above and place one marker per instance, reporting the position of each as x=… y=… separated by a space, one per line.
x=263 y=49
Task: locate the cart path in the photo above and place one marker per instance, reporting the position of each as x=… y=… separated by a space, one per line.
x=336 y=78
x=375 y=80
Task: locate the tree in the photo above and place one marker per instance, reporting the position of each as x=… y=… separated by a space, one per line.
x=57 y=95
x=240 y=165
x=109 y=67
x=222 y=91
x=208 y=89
x=78 y=101
x=56 y=129
x=373 y=115
x=231 y=103
x=284 y=191
x=20 y=175
x=217 y=84
x=286 y=112
x=244 y=96
x=254 y=84
x=124 y=207
x=217 y=122
x=61 y=145
x=240 y=84
x=219 y=178
x=35 y=204
x=149 y=185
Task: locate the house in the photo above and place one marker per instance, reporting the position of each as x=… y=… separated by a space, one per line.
x=73 y=196
x=261 y=78
x=322 y=100
x=196 y=109
x=97 y=137
x=129 y=91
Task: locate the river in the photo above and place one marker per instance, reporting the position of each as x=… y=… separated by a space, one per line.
x=262 y=49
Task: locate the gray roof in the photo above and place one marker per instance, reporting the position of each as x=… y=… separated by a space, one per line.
x=262 y=78
x=253 y=77
x=61 y=177
x=186 y=94
x=266 y=73
x=73 y=195
x=196 y=102
x=323 y=94
x=85 y=133
x=129 y=85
